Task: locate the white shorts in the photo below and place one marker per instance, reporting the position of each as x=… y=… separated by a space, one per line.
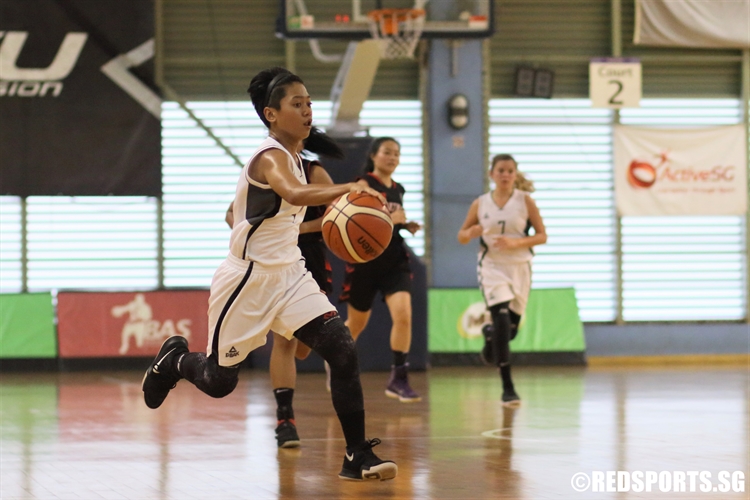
x=505 y=283
x=246 y=302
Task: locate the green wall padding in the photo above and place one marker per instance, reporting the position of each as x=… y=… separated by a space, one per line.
x=27 y=326
x=550 y=324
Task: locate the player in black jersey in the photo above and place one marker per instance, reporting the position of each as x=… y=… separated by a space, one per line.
x=389 y=273
x=283 y=369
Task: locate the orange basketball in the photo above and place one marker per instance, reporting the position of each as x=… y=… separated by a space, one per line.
x=357 y=227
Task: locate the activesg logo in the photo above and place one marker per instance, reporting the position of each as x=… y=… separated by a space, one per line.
x=36 y=82
x=643 y=174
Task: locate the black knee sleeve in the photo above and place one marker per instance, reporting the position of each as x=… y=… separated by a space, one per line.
x=515 y=320
x=501 y=332
x=205 y=372
x=330 y=338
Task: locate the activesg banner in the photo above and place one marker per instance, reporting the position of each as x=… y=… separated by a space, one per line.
x=80 y=115
x=680 y=171
x=93 y=324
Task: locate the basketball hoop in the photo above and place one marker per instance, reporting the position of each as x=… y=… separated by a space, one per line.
x=398 y=31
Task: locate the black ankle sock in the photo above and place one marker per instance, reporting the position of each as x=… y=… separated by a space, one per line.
x=353 y=425
x=505 y=376
x=399 y=358
x=284 y=397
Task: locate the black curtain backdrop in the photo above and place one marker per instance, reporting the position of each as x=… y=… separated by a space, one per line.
x=93 y=138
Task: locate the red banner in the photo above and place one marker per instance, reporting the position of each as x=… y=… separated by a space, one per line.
x=129 y=324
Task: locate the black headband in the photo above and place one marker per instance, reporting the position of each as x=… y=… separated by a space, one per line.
x=274 y=82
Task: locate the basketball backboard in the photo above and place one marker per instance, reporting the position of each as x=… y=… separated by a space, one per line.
x=347 y=19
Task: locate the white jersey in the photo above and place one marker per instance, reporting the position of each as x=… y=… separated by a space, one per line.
x=512 y=221
x=266 y=227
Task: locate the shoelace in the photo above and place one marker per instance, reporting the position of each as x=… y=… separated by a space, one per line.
x=372 y=443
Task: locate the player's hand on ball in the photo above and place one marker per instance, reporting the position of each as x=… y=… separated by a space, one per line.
x=355 y=187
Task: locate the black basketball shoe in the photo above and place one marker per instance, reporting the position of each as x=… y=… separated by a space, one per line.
x=286 y=434
x=361 y=464
x=161 y=377
x=486 y=354
x=510 y=398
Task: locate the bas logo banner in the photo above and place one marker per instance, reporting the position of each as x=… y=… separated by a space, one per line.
x=680 y=172
x=79 y=106
x=129 y=324
x=141 y=329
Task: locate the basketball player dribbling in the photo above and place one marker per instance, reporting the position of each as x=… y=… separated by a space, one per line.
x=282 y=366
x=263 y=285
x=502 y=219
x=389 y=273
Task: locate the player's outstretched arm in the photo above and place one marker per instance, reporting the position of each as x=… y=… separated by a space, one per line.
x=318 y=175
x=470 y=228
x=272 y=168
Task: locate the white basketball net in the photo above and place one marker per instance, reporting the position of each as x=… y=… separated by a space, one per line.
x=401 y=43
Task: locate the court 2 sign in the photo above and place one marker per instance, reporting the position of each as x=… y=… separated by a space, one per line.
x=615 y=83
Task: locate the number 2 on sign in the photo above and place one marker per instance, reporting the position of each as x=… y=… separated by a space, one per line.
x=612 y=100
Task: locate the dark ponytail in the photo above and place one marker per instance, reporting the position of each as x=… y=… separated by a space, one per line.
x=374 y=148
x=322 y=145
x=268 y=88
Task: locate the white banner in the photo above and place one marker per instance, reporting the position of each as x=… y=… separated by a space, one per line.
x=693 y=23
x=680 y=171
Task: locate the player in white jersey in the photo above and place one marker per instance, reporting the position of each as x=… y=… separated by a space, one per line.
x=282 y=365
x=263 y=285
x=502 y=219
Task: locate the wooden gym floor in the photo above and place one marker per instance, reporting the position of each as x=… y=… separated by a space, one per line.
x=89 y=435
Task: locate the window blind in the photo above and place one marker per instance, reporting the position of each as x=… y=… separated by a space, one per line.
x=565 y=147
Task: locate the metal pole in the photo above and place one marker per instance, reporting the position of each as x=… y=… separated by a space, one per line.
x=159 y=77
x=617 y=28
x=487 y=95
x=159 y=42
x=24 y=248
x=160 y=242
x=170 y=94
x=617 y=52
x=746 y=121
x=424 y=76
x=290 y=53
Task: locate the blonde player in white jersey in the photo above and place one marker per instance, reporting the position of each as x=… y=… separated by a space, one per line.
x=263 y=284
x=502 y=219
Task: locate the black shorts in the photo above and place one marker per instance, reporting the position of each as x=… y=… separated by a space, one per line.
x=363 y=281
x=314 y=253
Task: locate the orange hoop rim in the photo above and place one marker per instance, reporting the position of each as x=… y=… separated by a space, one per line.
x=399 y=14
